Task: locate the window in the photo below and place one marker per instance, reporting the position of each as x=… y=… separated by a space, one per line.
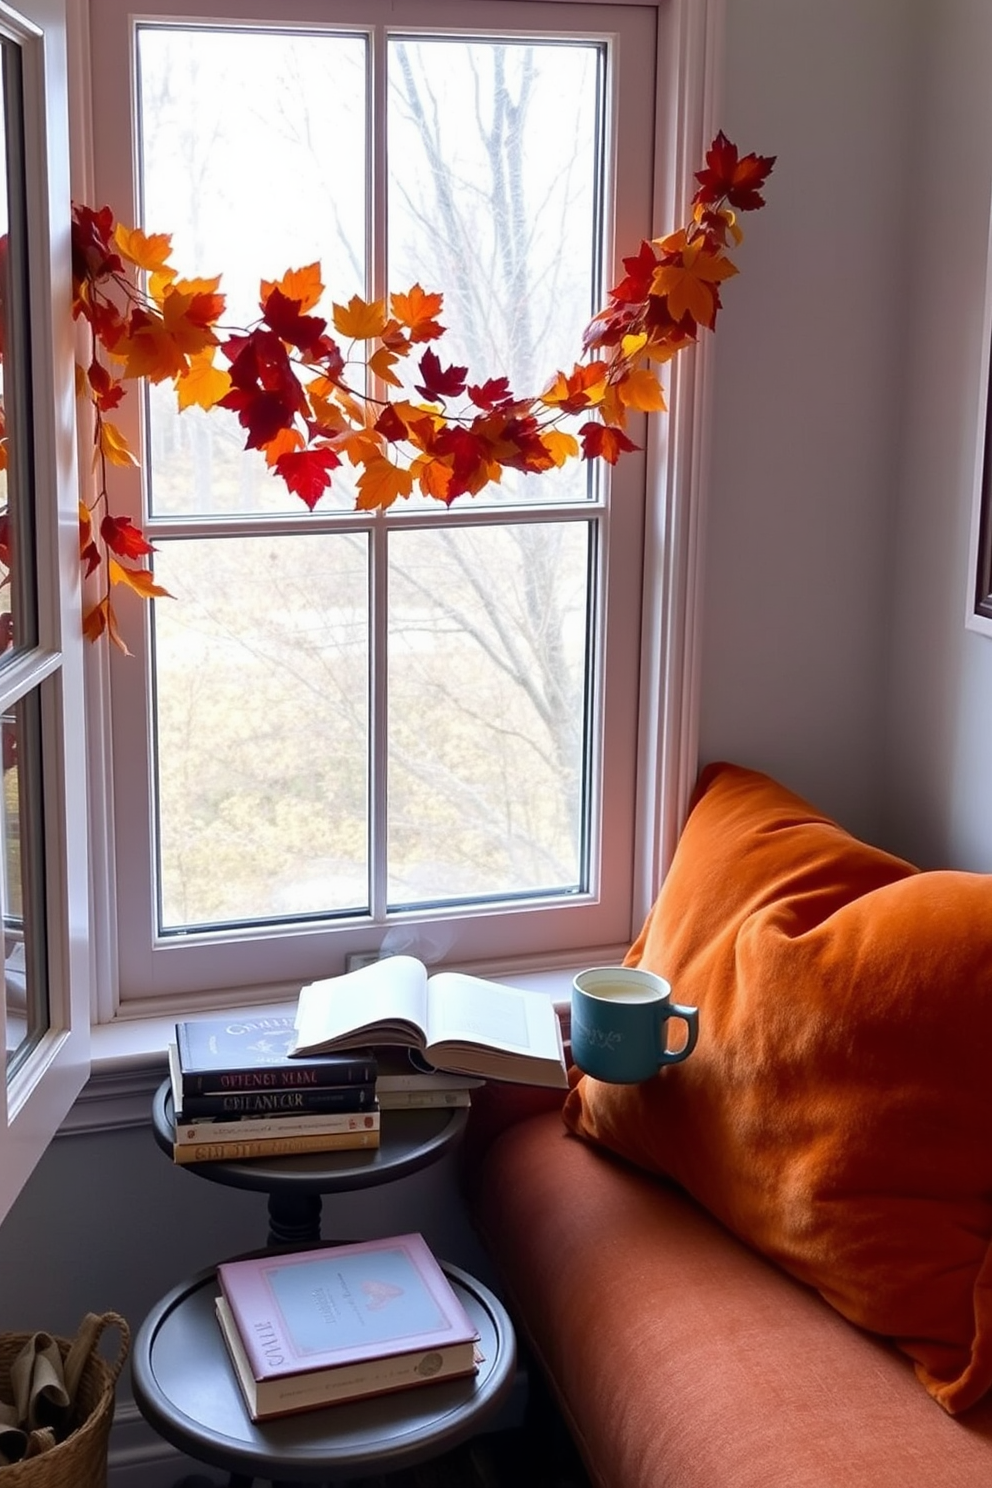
x=43 y=880
x=418 y=728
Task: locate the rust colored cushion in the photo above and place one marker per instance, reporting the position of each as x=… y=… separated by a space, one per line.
x=837 y=1111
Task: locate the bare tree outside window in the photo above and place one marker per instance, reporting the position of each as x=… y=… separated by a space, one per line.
x=274 y=668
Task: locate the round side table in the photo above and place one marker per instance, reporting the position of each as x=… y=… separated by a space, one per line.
x=185 y=1387
x=409 y=1140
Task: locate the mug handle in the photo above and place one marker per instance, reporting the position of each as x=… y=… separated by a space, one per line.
x=690 y=1017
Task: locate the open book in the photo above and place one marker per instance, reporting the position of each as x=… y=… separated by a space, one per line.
x=458 y=1022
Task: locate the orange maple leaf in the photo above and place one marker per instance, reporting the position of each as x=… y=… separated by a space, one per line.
x=417 y=310
x=640 y=389
x=433 y=477
x=303 y=285
x=141 y=580
x=689 y=284
x=283 y=442
x=582 y=388
x=381 y=364
x=100 y=617
x=381 y=483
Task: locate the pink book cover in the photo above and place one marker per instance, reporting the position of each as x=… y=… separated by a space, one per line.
x=341 y=1304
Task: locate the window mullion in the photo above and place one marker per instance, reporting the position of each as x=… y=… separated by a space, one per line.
x=377 y=194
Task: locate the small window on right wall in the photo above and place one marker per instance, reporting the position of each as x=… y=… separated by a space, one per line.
x=982 y=568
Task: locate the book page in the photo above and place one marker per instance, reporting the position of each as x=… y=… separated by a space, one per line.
x=469 y=1009
x=387 y=993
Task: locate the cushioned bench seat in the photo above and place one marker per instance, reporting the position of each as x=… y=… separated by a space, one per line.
x=681 y=1358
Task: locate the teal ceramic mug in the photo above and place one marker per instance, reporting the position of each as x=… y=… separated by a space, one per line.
x=620 y=1018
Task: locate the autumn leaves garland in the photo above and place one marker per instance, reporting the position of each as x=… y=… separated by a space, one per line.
x=312 y=394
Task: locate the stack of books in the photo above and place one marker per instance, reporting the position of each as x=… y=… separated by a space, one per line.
x=236 y=1093
x=312 y=1328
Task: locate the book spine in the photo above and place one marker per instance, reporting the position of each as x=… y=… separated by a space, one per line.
x=243 y=1151
x=410 y=1100
x=299 y=1075
x=250 y=1128
x=280 y=1102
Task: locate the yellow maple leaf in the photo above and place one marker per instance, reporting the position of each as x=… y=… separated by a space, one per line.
x=631 y=345
x=360 y=320
x=146 y=250
x=641 y=389
x=113 y=446
x=138 y=579
x=202 y=383
x=380 y=484
x=559 y=445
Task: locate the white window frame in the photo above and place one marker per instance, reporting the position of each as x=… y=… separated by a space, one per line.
x=690 y=35
x=35 y=1098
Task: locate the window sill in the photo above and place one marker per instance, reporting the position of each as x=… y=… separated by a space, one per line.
x=128 y=1060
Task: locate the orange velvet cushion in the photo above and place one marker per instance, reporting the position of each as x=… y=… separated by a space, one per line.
x=837 y=1111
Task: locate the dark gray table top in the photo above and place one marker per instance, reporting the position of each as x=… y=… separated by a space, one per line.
x=185 y=1387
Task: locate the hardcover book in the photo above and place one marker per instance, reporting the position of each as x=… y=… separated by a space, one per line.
x=275 y=1101
x=422 y=1100
x=292 y=1145
x=249 y=1053
x=250 y=1128
x=299 y=1392
x=457 y=1022
x=382 y=1309
x=406 y=1069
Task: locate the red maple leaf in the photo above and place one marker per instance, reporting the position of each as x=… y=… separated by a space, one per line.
x=390 y=425
x=440 y=382
x=126 y=540
x=284 y=316
x=491 y=393
x=603 y=441
x=637 y=281
x=307 y=472
x=468 y=457
x=107 y=393
x=93 y=253
x=265 y=395
x=735 y=178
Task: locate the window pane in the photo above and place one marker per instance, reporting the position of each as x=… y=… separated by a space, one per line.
x=21 y=835
x=495 y=154
x=18 y=617
x=261 y=669
x=487 y=710
x=253 y=155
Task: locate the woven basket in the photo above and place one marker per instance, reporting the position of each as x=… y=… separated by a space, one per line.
x=80 y=1461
